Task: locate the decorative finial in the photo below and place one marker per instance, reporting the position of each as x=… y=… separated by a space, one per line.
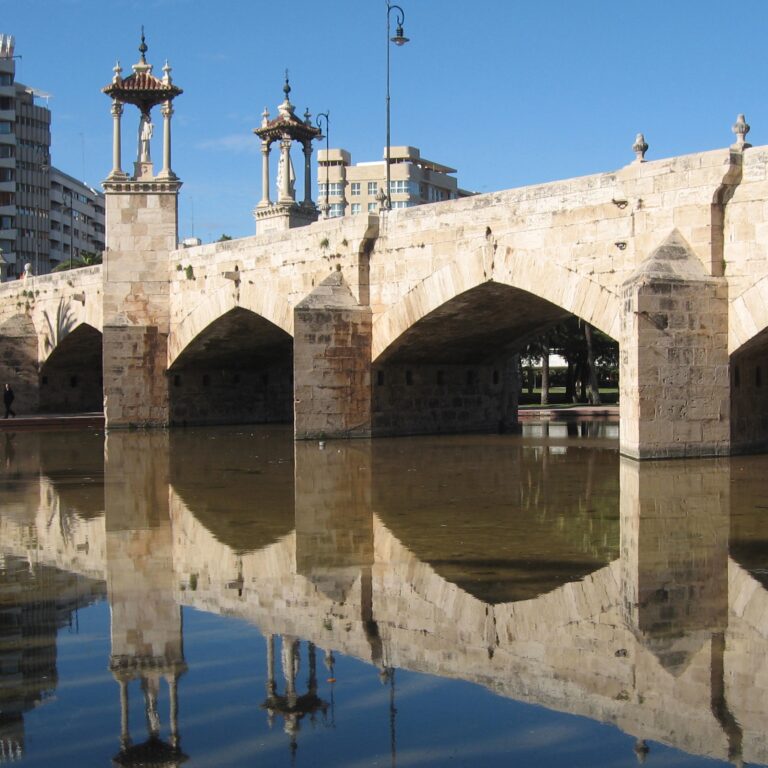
x=141 y=65
x=307 y=117
x=265 y=117
x=167 y=69
x=640 y=147
x=741 y=129
x=118 y=70
x=287 y=86
x=143 y=47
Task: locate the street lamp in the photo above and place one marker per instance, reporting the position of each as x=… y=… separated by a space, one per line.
x=71 y=226
x=325 y=207
x=398 y=39
x=43 y=166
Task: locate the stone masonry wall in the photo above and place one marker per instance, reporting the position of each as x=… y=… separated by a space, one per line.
x=236 y=395
x=433 y=399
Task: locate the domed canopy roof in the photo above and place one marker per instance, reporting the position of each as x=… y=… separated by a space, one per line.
x=142 y=88
x=286 y=123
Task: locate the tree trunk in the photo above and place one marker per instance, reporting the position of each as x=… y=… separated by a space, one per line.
x=593 y=389
x=570 y=383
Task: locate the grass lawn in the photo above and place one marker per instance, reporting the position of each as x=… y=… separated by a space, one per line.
x=608 y=396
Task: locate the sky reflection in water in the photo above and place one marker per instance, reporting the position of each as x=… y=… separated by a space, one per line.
x=462 y=601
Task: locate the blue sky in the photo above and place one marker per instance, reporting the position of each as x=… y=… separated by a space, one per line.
x=509 y=92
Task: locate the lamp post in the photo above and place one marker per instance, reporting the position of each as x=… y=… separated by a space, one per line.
x=399 y=39
x=42 y=164
x=325 y=208
x=71 y=227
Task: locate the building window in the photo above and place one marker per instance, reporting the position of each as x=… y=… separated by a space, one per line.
x=335 y=210
x=401 y=203
x=355 y=188
x=335 y=189
x=356 y=208
x=6 y=222
x=7 y=174
x=372 y=207
x=6 y=150
x=373 y=188
x=402 y=187
x=6 y=78
x=5 y=127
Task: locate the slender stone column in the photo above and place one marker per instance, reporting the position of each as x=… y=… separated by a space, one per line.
x=173 y=695
x=167 y=112
x=265 y=174
x=125 y=734
x=271 y=685
x=307 y=173
x=117 y=111
x=284 y=193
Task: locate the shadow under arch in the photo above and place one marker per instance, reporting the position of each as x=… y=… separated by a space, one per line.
x=749 y=395
x=250 y=504
x=71 y=379
x=454 y=368
x=19 y=361
x=512 y=523
x=237 y=370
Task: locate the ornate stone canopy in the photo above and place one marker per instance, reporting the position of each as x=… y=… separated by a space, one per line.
x=286 y=124
x=284 y=129
x=142 y=88
x=144 y=91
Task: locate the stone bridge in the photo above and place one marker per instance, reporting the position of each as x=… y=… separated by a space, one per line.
x=668 y=641
x=409 y=321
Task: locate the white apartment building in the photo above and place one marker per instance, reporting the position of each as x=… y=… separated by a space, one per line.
x=37 y=226
x=353 y=189
x=25 y=142
x=77 y=219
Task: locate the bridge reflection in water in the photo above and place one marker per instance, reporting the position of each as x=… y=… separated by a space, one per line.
x=546 y=569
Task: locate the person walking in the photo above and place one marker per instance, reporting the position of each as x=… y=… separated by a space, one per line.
x=8 y=398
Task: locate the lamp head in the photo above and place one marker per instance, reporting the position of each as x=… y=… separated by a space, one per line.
x=399 y=38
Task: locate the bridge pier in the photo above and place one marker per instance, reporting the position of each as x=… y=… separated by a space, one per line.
x=141 y=233
x=332 y=363
x=675 y=389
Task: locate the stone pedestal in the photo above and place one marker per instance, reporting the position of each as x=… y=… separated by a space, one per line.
x=279 y=217
x=674 y=358
x=141 y=233
x=332 y=363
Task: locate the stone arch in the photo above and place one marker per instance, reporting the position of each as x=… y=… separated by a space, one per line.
x=748 y=315
x=71 y=379
x=542 y=277
x=238 y=369
x=262 y=300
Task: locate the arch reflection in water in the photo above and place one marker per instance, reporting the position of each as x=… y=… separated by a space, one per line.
x=415 y=554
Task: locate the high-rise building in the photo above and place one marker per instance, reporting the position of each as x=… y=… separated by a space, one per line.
x=352 y=189
x=77 y=219
x=36 y=222
x=25 y=143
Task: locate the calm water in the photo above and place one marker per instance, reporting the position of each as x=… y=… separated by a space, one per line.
x=224 y=597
